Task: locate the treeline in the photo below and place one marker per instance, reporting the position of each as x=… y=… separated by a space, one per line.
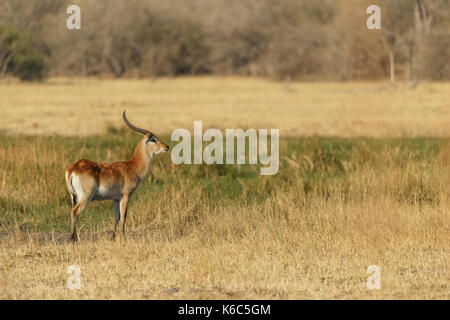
x=296 y=39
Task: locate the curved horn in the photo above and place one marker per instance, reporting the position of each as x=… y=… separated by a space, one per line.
x=143 y=131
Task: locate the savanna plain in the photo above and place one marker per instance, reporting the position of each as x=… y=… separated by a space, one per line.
x=364 y=180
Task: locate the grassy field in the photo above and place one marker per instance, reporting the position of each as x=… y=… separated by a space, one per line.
x=377 y=193
x=91 y=106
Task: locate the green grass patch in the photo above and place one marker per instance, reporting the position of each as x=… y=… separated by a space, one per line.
x=34 y=197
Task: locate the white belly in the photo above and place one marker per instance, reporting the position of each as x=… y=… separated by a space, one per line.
x=104 y=193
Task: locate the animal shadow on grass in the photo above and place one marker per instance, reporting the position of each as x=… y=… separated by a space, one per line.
x=64 y=237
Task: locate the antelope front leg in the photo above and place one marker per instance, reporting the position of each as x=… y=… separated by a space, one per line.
x=116 y=204
x=124 y=210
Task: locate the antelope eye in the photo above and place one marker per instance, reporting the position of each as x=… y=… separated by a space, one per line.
x=153 y=139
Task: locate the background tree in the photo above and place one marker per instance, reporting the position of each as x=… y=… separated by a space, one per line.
x=286 y=39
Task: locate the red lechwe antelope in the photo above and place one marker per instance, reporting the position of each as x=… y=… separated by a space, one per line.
x=88 y=180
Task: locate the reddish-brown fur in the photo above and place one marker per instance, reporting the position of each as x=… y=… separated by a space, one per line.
x=88 y=180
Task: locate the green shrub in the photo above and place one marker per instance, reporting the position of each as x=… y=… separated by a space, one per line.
x=29 y=66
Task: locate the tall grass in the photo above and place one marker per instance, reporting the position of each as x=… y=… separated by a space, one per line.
x=339 y=203
x=329 y=170
x=197 y=231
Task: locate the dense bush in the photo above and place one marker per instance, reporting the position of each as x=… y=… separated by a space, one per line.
x=322 y=39
x=13 y=42
x=29 y=66
x=18 y=54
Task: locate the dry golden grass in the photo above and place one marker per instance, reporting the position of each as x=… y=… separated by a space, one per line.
x=335 y=207
x=89 y=106
x=320 y=252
